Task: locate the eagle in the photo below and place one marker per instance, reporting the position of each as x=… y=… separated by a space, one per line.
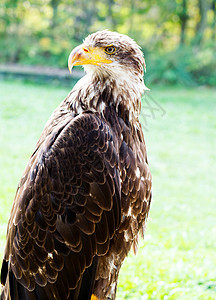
x=85 y=193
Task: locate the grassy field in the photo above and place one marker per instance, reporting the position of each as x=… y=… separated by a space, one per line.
x=177 y=260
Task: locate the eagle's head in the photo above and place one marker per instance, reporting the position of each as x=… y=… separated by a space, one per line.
x=114 y=65
x=109 y=54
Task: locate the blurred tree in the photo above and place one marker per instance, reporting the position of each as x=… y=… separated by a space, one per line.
x=44 y=31
x=112 y=22
x=11 y=29
x=183 y=17
x=85 y=14
x=54 y=4
x=201 y=25
x=213 y=7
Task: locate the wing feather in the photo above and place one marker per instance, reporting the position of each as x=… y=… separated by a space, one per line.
x=67 y=207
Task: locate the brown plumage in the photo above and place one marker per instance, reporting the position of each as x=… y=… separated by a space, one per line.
x=85 y=193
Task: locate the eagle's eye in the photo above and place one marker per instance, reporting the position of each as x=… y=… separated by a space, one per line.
x=110 y=49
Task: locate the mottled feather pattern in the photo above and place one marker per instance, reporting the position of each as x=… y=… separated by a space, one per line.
x=84 y=196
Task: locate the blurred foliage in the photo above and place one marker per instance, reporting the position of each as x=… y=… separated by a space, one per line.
x=178 y=37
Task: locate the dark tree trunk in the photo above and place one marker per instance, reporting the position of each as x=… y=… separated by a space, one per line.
x=214 y=19
x=132 y=10
x=84 y=19
x=54 y=5
x=111 y=18
x=183 y=16
x=201 y=25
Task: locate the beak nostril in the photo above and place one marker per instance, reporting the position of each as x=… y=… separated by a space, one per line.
x=86 y=50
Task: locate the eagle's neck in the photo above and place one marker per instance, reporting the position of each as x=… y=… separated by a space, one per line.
x=96 y=91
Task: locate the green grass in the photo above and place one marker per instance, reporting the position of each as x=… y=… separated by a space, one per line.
x=177 y=260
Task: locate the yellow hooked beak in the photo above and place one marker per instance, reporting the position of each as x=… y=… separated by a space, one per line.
x=86 y=55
